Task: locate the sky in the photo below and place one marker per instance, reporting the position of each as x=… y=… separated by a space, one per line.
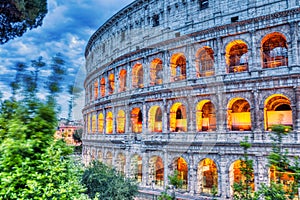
x=66 y=29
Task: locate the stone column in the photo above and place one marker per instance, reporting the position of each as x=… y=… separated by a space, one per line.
x=165 y=117
x=261 y=174
x=190 y=119
x=127 y=165
x=166 y=168
x=145 y=166
x=256 y=119
x=293 y=50
x=297 y=116
x=224 y=183
x=192 y=174
x=144 y=125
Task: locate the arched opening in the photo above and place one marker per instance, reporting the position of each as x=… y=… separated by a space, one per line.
x=181 y=166
x=205 y=62
x=109 y=123
x=111 y=83
x=236 y=176
x=156 y=171
x=178 y=122
x=237 y=56
x=207 y=176
x=156 y=72
x=122 y=80
x=121 y=120
x=137 y=76
x=206 y=116
x=120 y=163
x=278 y=110
x=100 y=123
x=136 y=168
x=100 y=156
x=239 y=116
x=286 y=177
x=136 y=120
x=155 y=119
x=102 y=87
x=94 y=123
x=89 y=119
x=274 y=50
x=96 y=90
x=178 y=67
x=109 y=158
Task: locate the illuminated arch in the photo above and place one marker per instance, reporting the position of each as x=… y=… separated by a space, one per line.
x=111 y=84
x=122 y=80
x=102 y=87
x=205 y=62
x=155 y=119
x=278 y=110
x=286 y=178
x=109 y=158
x=178 y=67
x=100 y=123
x=120 y=163
x=109 y=123
x=156 y=171
x=206 y=116
x=181 y=166
x=236 y=176
x=136 y=120
x=207 y=176
x=121 y=120
x=274 y=50
x=238 y=115
x=89 y=119
x=237 y=56
x=137 y=76
x=96 y=90
x=178 y=122
x=156 y=72
x=136 y=168
x=94 y=127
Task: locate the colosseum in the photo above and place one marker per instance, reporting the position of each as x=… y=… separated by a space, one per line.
x=176 y=85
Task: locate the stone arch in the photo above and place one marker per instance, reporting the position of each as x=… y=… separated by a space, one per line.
x=178 y=118
x=178 y=67
x=109 y=123
x=156 y=72
x=137 y=76
x=111 y=83
x=122 y=80
x=236 y=176
x=274 y=50
x=277 y=110
x=121 y=121
x=239 y=115
x=155 y=119
x=205 y=62
x=156 y=171
x=206 y=116
x=207 y=176
x=100 y=156
x=136 y=120
x=100 y=123
x=180 y=165
x=120 y=163
x=96 y=89
x=102 y=87
x=136 y=168
x=94 y=127
x=109 y=158
x=236 y=56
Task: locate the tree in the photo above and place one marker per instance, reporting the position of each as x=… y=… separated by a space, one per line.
x=32 y=164
x=17 y=16
x=105 y=183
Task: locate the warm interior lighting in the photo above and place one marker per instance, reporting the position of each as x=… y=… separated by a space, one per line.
x=156 y=72
x=137 y=76
x=208 y=176
x=111 y=83
x=102 y=87
x=237 y=56
x=205 y=62
x=155 y=119
x=136 y=168
x=109 y=123
x=205 y=116
x=94 y=123
x=122 y=80
x=178 y=67
x=96 y=90
x=100 y=123
x=182 y=168
x=136 y=120
x=239 y=116
x=178 y=122
x=121 y=119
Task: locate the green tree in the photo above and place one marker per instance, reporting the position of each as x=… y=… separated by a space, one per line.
x=32 y=164
x=105 y=183
x=17 y=16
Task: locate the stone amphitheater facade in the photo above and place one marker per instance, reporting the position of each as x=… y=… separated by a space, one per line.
x=176 y=85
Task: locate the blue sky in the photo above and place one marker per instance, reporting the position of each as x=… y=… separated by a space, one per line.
x=66 y=29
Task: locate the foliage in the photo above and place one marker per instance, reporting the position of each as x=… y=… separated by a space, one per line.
x=243 y=189
x=175 y=180
x=32 y=164
x=165 y=196
x=106 y=183
x=17 y=16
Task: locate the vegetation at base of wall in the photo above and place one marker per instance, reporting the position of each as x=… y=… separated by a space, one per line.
x=105 y=183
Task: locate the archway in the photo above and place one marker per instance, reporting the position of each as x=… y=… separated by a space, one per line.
x=111 y=83
x=278 y=110
x=274 y=50
x=137 y=76
x=206 y=116
x=122 y=80
x=96 y=90
x=207 y=176
x=100 y=123
x=178 y=122
x=121 y=120
x=94 y=127
x=155 y=119
x=109 y=158
x=237 y=56
x=205 y=62
x=156 y=72
x=178 y=67
x=136 y=120
x=109 y=123
x=239 y=116
x=181 y=166
x=120 y=163
x=156 y=171
x=136 y=168
x=102 y=87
